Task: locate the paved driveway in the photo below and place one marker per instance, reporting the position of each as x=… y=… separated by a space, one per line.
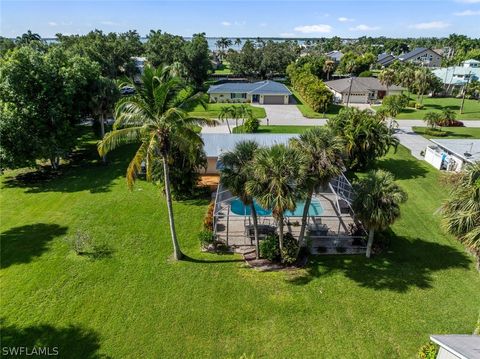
x=413 y=141
x=287 y=115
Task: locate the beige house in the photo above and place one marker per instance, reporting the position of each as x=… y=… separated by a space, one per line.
x=360 y=90
x=262 y=92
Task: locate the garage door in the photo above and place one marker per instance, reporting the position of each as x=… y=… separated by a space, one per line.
x=273 y=100
x=356 y=98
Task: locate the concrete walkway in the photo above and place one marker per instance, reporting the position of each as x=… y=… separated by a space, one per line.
x=413 y=141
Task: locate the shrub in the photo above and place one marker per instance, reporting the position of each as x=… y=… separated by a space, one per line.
x=418 y=106
x=269 y=248
x=205 y=237
x=435 y=132
x=251 y=125
x=366 y=73
x=208 y=220
x=290 y=249
x=412 y=104
x=428 y=351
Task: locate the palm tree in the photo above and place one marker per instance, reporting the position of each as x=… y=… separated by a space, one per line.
x=156 y=117
x=387 y=77
x=225 y=114
x=328 y=67
x=323 y=153
x=377 y=202
x=432 y=119
x=275 y=172
x=421 y=82
x=243 y=112
x=461 y=211
x=235 y=174
x=238 y=41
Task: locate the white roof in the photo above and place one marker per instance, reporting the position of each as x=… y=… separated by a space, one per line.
x=463 y=346
x=466 y=149
x=217 y=143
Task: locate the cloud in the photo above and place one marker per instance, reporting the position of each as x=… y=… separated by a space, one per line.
x=363 y=27
x=429 y=25
x=344 y=19
x=467 y=13
x=309 y=29
x=226 y=23
x=52 y=23
x=108 y=22
x=287 y=34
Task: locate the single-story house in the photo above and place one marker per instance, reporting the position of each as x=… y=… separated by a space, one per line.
x=334 y=55
x=262 y=92
x=361 y=90
x=455 y=77
x=457 y=346
x=422 y=56
x=217 y=143
x=452 y=154
x=385 y=59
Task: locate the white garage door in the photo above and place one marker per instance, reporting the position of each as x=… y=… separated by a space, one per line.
x=273 y=100
x=356 y=98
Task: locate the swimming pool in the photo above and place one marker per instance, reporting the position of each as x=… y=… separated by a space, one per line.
x=237 y=207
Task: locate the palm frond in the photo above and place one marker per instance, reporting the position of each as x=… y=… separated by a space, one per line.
x=135 y=166
x=116 y=138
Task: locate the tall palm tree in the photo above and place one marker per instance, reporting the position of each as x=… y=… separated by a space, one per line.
x=237 y=167
x=238 y=41
x=377 y=202
x=328 y=67
x=243 y=112
x=421 y=82
x=461 y=211
x=275 y=172
x=225 y=114
x=156 y=117
x=323 y=152
x=387 y=77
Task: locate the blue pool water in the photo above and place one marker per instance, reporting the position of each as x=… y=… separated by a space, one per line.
x=239 y=208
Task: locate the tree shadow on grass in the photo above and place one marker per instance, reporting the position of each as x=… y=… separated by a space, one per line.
x=403 y=169
x=215 y=261
x=409 y=263
x=24 y=243
x=84 y=172
x=70 y=342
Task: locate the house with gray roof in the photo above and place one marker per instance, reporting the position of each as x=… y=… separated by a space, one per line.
x=422 y=56
x=334 y=55
x=385 y=59
x=360 y=90
x=457 y=346
x=262 y=92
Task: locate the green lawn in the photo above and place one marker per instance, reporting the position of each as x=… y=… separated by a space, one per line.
x=453 y=132
x=138 y=303
x=308 y=112
x=223 y=69
x=471 y=108
x=276 y=129
x=213 y=110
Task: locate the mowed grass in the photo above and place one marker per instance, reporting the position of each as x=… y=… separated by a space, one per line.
x=308 y=112
x=213 y=110
x=471 y=108
x=223 y=69
x=452 y=132
x=276 y=129
x=138 y=303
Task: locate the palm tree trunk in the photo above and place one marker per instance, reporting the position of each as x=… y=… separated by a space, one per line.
x=228 y=125
x=102 y=131
x=280 y=234
x=255 y=229
x=371 y=233
x=177 y=253
x=305 y=217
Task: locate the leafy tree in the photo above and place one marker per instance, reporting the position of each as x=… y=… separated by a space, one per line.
x=377 y=202
x=461 y=211
x=164 y=48
x=323 y=152
x=276 y=56
x=366 y=136
x=236 y=172
x=197 y=59
x=387 y=77
x=28 y=37
x=394 y=104
x=155 y=116
x=273 y=182
x=247 y=61
x=39 y=115
x=5 y=45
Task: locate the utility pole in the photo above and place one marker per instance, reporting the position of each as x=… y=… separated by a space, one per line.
x=465 y=91
x=350 y=90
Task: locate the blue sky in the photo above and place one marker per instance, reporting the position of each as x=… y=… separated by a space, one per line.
x=279 y=18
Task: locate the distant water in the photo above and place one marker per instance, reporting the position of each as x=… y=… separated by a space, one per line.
x=212 y=40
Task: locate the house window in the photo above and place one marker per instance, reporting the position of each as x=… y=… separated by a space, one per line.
x=238 y=95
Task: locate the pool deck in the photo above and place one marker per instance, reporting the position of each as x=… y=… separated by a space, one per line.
x=232 y=229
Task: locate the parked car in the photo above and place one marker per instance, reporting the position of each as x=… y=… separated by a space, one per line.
x=127 y=90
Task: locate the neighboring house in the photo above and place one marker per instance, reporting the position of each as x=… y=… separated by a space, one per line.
x=217 y=143
x=452 y=154
x=422 y=56
x=454 y=78
x=385 y=59
x=361 y=89
x=334 y=55
x=262 y=92
x=457 y=346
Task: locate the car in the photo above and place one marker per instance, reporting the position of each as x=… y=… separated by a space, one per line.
x=127 y=90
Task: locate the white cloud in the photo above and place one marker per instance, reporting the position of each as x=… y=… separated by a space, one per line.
x=344 y=19
x=467 y=13
x=363 y=27
x=287 y=34
x=309 y=29
x=52 y=23
x=226 y=23
x=429 y=25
